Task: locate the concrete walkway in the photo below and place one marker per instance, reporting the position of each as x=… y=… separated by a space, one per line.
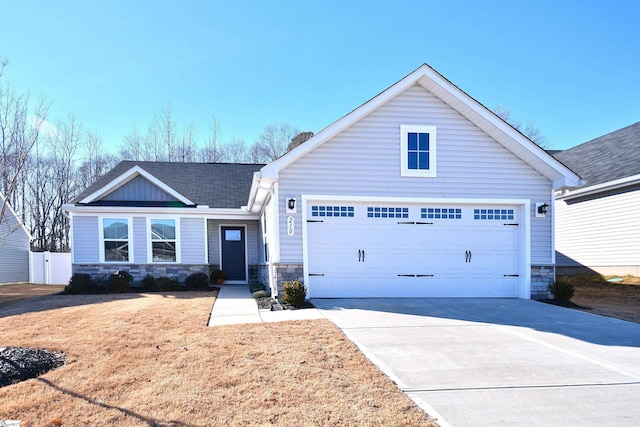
x=234 y=305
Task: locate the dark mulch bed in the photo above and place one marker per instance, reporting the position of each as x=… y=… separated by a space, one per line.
x=268 y=303
x=567 y=304
x=20 y=363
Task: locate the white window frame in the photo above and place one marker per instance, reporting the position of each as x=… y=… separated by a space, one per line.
x=150 y=240
x=404 y=148
x=129 y=238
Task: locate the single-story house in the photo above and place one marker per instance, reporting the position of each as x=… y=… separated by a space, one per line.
x=419 y=192
x=14 y=246
x=598 y=224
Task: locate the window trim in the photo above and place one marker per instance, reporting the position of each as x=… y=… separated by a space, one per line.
x=150 y=241
x=129 y=238
x=404 y=148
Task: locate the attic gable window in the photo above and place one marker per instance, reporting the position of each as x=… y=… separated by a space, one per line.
x=418 y=151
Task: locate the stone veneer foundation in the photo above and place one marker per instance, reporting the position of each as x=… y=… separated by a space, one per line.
x=541 y=277
x=139 y=271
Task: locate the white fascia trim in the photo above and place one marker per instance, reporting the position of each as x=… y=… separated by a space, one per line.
x=148 y=211
x=128 y=176
x=605 y=186
x=272 y=169
x=489 y=122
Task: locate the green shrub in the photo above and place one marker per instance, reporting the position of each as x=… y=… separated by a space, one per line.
x=562 y=290
x=80 y=283
x=260 y=294
x=255 y=287
x=147 y=283
x=119 y=281
x=294 y=293
x=167 y=284
x=197 y=281
x=218 y=276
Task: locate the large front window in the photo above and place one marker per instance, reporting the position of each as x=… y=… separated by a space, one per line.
x=163 y=240
x=115 y=233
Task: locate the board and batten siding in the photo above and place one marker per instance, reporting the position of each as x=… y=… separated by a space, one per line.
x=364 y=160
x=193 y=241
x=140 y=240
x=86 y=239
x=139 y=189
x=14 y=251
x=599 y=232
x=213 y=234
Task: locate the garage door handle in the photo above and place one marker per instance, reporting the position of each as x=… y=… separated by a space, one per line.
x=467 y=256
x=363 y=255
x=511 y=275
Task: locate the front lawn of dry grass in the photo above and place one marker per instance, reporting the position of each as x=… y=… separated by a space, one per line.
x=149 y=359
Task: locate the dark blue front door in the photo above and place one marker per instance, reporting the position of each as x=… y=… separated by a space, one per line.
x=233 y=253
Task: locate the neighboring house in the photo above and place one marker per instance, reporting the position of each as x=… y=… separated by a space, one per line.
x=419 y=192
x=598 y=225
x=14 y=246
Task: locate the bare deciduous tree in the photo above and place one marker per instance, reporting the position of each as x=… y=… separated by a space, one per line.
x=18 y=135
x=273 y=142
x=529 y=129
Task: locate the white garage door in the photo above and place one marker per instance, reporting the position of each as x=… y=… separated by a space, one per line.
x=400 y=250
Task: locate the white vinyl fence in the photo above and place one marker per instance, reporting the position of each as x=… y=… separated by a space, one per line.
x=50 y=268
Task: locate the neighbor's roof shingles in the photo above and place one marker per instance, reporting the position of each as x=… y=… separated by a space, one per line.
x=607 y=158
x=219 y=185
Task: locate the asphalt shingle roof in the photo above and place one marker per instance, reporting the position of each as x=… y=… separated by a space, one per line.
x=219 y=185
x=606 y=158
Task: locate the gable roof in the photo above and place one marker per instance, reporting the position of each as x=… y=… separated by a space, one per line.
x=439 y=86
x=608 y=158
x=217 y=185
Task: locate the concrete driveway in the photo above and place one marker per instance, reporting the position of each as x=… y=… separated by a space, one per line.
x=507 y=362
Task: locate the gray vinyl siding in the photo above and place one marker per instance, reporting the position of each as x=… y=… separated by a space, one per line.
x=14 y=251
x=213 y=236
x=140 y=240
x=86 y=239
x=364 y=160
x=599 y=231
x=192 y=241
x=139 y=189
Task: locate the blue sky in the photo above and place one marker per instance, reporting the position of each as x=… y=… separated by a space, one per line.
x=570 y=67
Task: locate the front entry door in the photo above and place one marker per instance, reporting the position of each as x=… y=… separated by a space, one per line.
x=233 y=253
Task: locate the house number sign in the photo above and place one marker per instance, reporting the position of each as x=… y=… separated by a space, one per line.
x=290 y=228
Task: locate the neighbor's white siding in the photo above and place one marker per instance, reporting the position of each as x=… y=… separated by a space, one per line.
x=192 y=241
x=364 y=160
x=14 y=251
x=599 y=232
x=86 y=241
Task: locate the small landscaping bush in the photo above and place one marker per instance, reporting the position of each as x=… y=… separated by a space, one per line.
x=197 y=281
x=255 y=287
x=119 y=281
x=562 y=290
x=294 y=293
x=80 y=283
x=167 y=284
x=260 y=294
x=147 y=283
